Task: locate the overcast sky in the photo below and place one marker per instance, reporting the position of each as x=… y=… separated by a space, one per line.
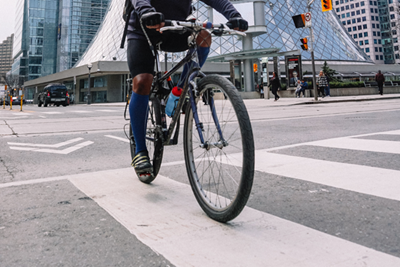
x=7 y=16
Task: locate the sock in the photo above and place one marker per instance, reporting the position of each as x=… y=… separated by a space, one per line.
x=202 y=53
x=138 y=110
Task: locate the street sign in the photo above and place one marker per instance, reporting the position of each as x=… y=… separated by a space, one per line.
x=307 y=18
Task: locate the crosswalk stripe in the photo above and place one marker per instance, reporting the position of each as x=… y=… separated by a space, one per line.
x=360 y=144
x=166 y=217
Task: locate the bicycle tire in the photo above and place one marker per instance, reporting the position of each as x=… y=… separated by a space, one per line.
x=224 y=196
x=153 y=139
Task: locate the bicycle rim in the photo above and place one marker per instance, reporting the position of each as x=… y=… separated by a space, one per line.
x=221 y=177
x=153 y=140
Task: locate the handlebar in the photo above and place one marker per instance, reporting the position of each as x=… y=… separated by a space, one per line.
x=180 y=25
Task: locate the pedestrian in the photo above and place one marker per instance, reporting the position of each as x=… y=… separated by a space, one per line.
x=298 y=88
x=322 y=82
x=328 y=87
x=304 y=86
x=261 y=90
x=275 y=85
x=380 y=79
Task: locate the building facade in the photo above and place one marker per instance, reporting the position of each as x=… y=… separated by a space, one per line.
x=6 y=48
x=373 y=24
x=38 y=29
x=78 y=23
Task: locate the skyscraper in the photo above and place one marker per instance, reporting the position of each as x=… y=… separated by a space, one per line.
x=6 y=56
x=38 y=32
x=77 y=25
x=373 y=24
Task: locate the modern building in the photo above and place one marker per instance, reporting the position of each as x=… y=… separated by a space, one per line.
x=374 y=25
x=51 y=35
x=78 y=23
x=6 y=48
x=275 y=38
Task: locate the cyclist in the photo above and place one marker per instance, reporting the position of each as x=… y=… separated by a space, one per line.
x=141 y=59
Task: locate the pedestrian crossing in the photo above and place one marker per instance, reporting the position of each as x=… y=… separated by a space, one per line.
x=166 y=217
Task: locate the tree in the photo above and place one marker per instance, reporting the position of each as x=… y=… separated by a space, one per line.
x=330 y=73
x=13 y=81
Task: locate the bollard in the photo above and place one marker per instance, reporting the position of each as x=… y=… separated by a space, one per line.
x=10 y=102
x=22 y=98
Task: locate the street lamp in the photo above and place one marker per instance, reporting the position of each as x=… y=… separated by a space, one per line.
x=88 y=94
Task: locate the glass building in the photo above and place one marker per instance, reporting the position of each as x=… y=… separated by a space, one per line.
x=332 y=42
x=78 y=23
x=51 y=35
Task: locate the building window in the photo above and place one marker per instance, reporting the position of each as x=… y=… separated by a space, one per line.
x=344 y=22
x=370 y=2
x=360 y=35
x=349 y=29
x=353 y=20
x=373 y=25
x=378 y=33
x=396 y=48
x=377 y=26
x=342 y=8
x=365 y=26
x=381 y=57
x=352 y=6
x=362 y=3
x=343 y=16
x=379 y=41
x=365 y=34
x=337 y=10
x=392 y=16
x=358 y=12
x=348 y=21
x=361 y=43
x=393 y=24
x=375 y=4
x=374 y=33
x=364 y=18
x=377 y=57
x=380 y=49
x=337 y=3
x=367 y=49
x=341 y=1
x=375 y=41
x=397 y=56
x=348 y=14
x=376 y=49
x=354 y=28
x=363 y=11
x=353 y=13
x=359 y=27
x=357 y=4
x=394 y=32
x=355 y=36
x=347 y=7
x=358 y=19
x=376 y=10
x=395 y=40
x=372 y=10
x=366 y=42
x=376 y=18
x=372 y=18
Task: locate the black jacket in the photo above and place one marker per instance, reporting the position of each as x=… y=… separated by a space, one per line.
x=275 y=84
x=173 y=10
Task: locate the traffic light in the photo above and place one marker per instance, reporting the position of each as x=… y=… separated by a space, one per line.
x=304 y=42
x=326 y=5
x=299 y=20
x=255 y=67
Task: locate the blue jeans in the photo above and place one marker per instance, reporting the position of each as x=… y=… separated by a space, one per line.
x=327 y=90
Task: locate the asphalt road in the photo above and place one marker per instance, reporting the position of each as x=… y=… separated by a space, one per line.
x=325 y=192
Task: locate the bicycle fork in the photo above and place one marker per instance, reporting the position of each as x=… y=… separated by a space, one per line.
x=199 y=126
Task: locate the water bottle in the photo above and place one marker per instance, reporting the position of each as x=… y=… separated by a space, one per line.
x=173 y=101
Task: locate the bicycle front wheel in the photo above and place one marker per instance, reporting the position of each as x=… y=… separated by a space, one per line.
x=153 y=139
x=220 y=169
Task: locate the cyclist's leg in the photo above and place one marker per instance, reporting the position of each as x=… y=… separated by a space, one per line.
x=141 y=66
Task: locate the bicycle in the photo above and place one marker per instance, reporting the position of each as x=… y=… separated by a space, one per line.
x=218 y=138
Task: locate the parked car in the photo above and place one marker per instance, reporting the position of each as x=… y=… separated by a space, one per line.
x=56 y=94
x=16 y=100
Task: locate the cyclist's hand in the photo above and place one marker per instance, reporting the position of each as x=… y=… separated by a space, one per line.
x=153 y=20
x=238 y=24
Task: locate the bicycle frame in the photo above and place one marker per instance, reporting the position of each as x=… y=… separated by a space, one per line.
x=188 y=88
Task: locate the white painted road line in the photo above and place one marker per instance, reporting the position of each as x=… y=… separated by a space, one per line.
x=166 y=217
x=47 y=150
x=44 y=145
x=81 y=111
x=360 y=144
x=52 y=112
x=118 y=138
x=108 y=110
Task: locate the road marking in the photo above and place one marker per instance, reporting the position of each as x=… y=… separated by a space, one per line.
x=360 y=144
x=47 y=150
x=22 y=114
x=42 y=117
x=166 y=217
x=81 y=111
x=108 y=110
x=44 y=145
x=52 y=112
x=118 y=138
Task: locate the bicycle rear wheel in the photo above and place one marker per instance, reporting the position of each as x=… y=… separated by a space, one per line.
x=221 y=172
x=153 y=139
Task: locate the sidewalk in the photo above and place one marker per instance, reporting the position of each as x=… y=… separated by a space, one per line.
x=291 y=101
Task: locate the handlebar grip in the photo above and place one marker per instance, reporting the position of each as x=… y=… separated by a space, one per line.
x=168 y=22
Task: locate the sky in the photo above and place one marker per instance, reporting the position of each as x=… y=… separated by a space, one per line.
x=7 y=15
